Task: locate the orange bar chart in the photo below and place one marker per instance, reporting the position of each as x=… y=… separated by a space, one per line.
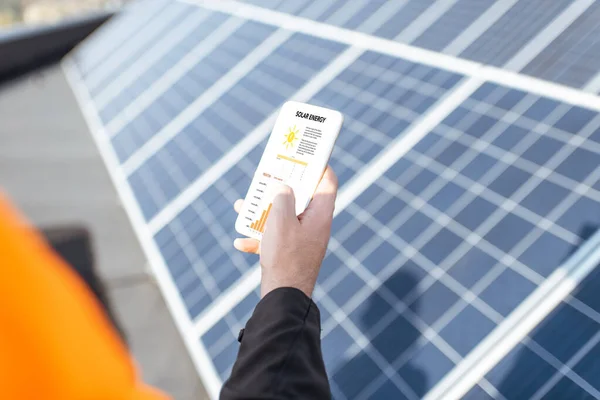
x=259 y=224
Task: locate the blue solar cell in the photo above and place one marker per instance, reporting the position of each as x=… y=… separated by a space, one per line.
x=507 y=291
x=346 y=288
x=572 y=58
x=434 y=302
x=513 y=30
x=471 y=267
x=355 y=374
x=542 y=150
x=425 y=368
x=475 y=213
x=579 y=164
x=447 y=196
x=398 y=336
x=544 y=198
x=467 y=329
x=508 y=232
x=546 y=254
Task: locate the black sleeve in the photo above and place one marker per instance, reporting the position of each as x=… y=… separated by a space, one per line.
x=280 y=353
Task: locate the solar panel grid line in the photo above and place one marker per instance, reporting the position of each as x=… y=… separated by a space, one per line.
x=583 y=308
x=572 y=57
x=343 y=35
x=108 y=31
x=371 y=219
x=204 y=100
x=479 y=26
x=199 y=269
x=593 y=85
x=198 y=263
x=460 y=17
x=142 y=64
x=541 y=128
x=400 y=306
x=184 y=65
x=161 y=19
x=411 y=53
x=227 y=301
x=352 y=189
x=375 y=284
x=566 y=370
x=198 y=354
x=491 y=390
x=237 y=152
x=505 y=38
x=383 y=13
x=559 y=366
x=474 y=238
x=437 y=271
x=542 y=173
x=540 y=87
x=343 y=14
x=363 y=343
x=424 y=21
x=508 y=205
x=536 y=45
x=511 y=203
x=519 y=323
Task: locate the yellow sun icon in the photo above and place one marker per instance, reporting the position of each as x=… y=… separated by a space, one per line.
x=290 y=137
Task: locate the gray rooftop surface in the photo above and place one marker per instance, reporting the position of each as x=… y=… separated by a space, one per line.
x=52 y=170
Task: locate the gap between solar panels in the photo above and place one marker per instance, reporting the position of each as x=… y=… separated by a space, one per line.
x=519 y=323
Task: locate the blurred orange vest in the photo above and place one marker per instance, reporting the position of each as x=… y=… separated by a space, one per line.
x=55 y=341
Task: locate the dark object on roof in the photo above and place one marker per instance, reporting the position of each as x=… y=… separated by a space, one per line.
x=26 y=49
x=74 y=245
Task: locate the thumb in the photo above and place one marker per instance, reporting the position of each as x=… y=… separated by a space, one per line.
x=284 y=204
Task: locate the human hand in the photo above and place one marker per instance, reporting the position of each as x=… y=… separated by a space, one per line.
x=292 y=247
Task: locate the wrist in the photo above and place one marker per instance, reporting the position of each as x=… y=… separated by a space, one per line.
x=270 y=283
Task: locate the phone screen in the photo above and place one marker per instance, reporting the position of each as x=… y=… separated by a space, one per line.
x=296 y=154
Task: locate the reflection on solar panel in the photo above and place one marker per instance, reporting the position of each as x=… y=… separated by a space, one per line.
x=469 y=182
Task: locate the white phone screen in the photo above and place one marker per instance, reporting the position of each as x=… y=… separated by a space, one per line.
x=296 y=154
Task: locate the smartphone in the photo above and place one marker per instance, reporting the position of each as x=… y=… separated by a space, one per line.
x=296 y=154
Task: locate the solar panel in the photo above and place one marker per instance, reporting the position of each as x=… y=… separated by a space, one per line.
x=467 y=187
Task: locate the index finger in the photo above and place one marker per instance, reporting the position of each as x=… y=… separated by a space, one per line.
x=323 y=202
